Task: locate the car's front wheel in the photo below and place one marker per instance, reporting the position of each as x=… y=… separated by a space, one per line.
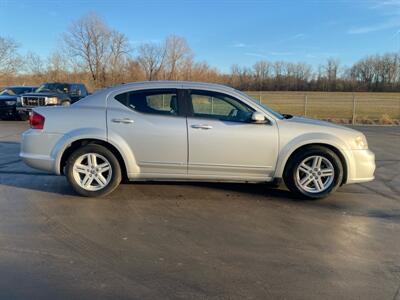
x=93 y=171
x=313 y=172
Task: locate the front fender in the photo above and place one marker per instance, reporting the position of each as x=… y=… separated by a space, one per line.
x=308 y=139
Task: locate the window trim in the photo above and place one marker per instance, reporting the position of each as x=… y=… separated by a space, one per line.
x=182 y=107
x=190 y=110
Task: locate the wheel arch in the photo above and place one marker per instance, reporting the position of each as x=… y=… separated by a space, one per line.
x=329 y=146
x=86 y=141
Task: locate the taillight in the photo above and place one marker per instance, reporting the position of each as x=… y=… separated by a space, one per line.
x=36 y=120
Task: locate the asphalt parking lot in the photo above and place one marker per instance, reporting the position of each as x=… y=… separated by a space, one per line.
x=198 y=241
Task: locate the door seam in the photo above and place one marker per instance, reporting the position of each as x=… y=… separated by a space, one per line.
x=187 y=147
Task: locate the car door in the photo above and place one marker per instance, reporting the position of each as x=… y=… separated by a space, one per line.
x=74 y=93
x=154 y=126
x=83 y=92
x=224 y=143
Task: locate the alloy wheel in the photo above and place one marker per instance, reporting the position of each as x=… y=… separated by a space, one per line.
x=92 y=171
x=315 y=174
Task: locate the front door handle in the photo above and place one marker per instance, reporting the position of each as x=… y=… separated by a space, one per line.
x=202 y=126
x=124 y=121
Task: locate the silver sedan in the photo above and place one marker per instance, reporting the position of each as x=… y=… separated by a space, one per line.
x=191 y=131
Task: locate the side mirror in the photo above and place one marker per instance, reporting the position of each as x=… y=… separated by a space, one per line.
x=258 y=117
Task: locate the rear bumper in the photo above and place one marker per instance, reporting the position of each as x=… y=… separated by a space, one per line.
x=36 y=149
x=362 y=166
x=37 y=161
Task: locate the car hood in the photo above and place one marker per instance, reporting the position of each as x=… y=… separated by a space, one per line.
x=318 y=123
x=8 y=98
x=47 y=94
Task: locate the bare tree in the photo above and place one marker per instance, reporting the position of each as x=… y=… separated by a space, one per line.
x=151 y=58
x=262 y=70
x=240 y=76
x=119 y=53
x=57 y=67
x=203 y=72
x=363 y=71
x=134 y=71
x=331 y=72
x=9 y=58
x=95 y=46
x=34 y=64
x=177 y=52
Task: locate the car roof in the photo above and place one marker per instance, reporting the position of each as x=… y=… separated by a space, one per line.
x=164 y=84
x=58 y=82
x=171 y=84
x=20 y=86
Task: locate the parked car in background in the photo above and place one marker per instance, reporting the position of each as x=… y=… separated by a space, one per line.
x=191 y=131
x=8 y=100
x=50 y=94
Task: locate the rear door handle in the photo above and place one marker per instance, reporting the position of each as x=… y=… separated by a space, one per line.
x=201 y=126
x=124 y=121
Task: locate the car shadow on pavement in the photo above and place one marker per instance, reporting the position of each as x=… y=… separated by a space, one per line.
x=36 y=181
x=246 y=189
x=46 y=182
x=14 y=173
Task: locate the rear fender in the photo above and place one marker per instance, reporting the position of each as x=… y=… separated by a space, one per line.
x=93 y=134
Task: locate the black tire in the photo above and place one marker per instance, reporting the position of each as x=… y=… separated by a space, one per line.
x=289 y=175
x=116 y=175
x=23 y=117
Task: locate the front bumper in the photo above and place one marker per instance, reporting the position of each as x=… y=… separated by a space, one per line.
x=25 y=109
x=8 y=111
x=361 y=166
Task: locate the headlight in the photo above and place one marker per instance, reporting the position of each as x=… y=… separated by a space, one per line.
x=360 y=143
x=12 y=102
x=52 y=100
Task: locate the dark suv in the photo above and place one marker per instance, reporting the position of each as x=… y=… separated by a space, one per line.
x=49 y=94
x=8 y=100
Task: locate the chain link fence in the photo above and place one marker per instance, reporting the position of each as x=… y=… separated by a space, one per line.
x=340 y=107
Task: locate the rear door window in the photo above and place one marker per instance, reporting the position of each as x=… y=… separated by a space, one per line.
x=159 y=102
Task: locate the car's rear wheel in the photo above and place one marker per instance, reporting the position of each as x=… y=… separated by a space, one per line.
x=314 y=172
x=93 y=171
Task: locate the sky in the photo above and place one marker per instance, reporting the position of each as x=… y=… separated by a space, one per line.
x=221 y=32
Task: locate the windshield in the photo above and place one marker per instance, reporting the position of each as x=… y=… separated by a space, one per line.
x=12 y=91
x=7 y=92
x=274 y=113
x=54 y=87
